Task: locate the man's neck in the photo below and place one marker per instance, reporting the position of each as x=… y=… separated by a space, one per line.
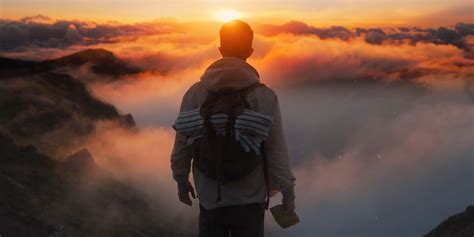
x=243 y=59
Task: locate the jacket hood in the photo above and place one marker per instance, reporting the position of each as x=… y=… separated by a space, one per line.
x=229 y=72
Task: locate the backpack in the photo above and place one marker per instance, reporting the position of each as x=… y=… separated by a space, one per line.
x=217 y=154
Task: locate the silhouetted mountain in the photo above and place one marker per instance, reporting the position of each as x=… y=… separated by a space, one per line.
x=15 y=64
x=44 y=197
x=100 y=61
x=459 y=225
x=44 y=108
x=44 y=115
x=81 y=160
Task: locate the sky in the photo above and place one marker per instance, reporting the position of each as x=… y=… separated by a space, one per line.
x=336 y=12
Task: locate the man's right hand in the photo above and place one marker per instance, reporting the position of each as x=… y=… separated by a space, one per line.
x=184 y=189
x=288 y=199
x=289 y=205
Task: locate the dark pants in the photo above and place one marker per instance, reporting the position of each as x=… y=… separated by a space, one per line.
x=238 y=221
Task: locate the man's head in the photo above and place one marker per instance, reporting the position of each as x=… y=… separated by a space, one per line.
x=236 y=40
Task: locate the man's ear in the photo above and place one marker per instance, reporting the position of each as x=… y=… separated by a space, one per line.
x=250 y=52
x=220 y=50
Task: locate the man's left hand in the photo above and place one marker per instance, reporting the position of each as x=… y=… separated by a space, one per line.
x=183 y=192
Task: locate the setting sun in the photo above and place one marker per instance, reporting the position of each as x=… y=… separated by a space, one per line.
x=227 y=15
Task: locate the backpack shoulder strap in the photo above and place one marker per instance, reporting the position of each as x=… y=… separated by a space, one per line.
x=244 y=92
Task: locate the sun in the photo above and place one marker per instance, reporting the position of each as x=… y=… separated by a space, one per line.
x=227 y=15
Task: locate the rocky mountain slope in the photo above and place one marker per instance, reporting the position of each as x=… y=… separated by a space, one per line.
x=102 y=62
x=459 y=225
x=45 y=191
x=99 y=61
x=42 y=107
x=45 y=197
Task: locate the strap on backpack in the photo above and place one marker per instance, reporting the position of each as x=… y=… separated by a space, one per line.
x=244 y=92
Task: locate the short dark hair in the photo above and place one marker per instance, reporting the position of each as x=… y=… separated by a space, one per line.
x=236 y=37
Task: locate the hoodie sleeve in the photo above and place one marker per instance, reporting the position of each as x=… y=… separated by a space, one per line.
x=181 y=154
x=280 y=173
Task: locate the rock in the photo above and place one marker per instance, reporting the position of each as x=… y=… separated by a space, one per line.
x=79 y=161
x=459 y=225
x=128 y=121
x=12 y=153
x=8 y=147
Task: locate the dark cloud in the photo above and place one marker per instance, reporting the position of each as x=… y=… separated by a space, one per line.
x=455 y=36
x=44 y=32
x=465 y=29
x=303 y=61
x=300 y=28
x=442 y=35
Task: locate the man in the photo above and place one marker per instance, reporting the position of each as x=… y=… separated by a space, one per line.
x=237 y=207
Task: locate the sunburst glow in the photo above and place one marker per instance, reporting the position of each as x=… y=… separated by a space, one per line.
x=227 y=15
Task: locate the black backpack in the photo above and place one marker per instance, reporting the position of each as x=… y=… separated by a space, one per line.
x=222 y=158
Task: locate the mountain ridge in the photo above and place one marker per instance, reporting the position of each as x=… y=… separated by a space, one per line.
x=458 y=225
x=99 y=61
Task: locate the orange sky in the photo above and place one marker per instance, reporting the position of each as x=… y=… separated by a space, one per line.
x=335 y=12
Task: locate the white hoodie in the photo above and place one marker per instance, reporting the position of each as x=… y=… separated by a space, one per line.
x=236 y=73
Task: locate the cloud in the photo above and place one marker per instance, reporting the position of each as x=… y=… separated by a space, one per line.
x=365 y=157
x=283 y=61
x=300 y=28
x=442 y=35
x=294 y=53
x=141 y=158
x=305 y=60
x=38 y=33
x=146 y=94
x=43 y=32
